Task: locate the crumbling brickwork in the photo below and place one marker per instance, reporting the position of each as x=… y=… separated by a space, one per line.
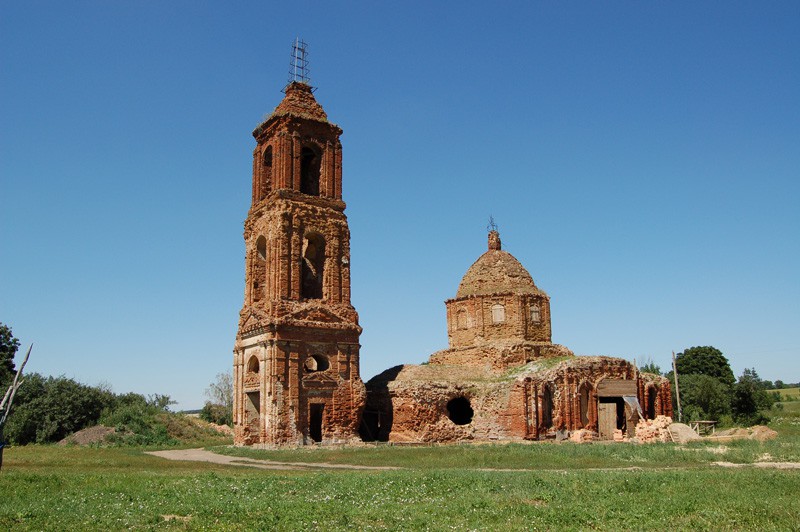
x=502 y=378
x=296 y=356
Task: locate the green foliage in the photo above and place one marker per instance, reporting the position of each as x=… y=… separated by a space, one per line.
x=704 y=360
x=136 y=421
x=703 y=397
x=8 y=348
x=47 y=409
x=750 y=397
x=220 y=392
x=219 y=408
x=217 y=414
x=650 y=367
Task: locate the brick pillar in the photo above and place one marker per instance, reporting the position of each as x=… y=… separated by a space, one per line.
x=337 y=185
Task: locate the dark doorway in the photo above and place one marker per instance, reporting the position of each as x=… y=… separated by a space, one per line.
x=460 y=411
x=315 y=421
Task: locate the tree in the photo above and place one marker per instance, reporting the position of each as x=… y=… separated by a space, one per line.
x=704 y=360
x=220 y=392
x=750 y=396
x=8 y=348
x=47 y=409
x=650 y=367
x=704 y=397
x=219 y=408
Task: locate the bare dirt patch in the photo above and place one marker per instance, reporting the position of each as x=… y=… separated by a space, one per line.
x=89 y=436
x=763 y=465
x=201 y=455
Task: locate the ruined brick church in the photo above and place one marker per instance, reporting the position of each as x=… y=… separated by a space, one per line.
x=296 y=355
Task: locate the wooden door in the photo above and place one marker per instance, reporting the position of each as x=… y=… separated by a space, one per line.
x=607 y=420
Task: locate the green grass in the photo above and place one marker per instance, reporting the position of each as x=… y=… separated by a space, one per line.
x=539 y=456
x=793 y=394
x=560 y=486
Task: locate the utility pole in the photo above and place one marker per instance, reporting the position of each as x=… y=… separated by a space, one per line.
x=677 y=390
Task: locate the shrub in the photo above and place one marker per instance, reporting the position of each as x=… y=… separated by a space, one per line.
x=218 y=414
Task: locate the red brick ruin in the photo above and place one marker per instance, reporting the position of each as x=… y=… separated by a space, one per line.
x=296 y=356
x=296 y=366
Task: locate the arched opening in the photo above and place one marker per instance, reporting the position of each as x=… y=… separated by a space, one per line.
x=652 y=394
x=261 y=248
x=316 y=363
x=498 y=313
x=460 y=411
x=266 y=173
x=252 y=365
x=585 y=392
x=309 y=171
x=313 y=263
x=547 y=406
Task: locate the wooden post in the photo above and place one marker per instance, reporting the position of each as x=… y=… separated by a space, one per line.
x=677 y=390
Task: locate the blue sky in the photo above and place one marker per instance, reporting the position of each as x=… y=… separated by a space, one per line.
x=640 y=158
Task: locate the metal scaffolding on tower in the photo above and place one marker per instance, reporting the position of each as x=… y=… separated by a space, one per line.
x=298 y=67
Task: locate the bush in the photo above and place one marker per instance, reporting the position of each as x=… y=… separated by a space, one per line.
x=138 y=421
x=48 y=409
x=218 y=414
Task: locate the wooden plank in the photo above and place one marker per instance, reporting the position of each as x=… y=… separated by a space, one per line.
x=616 y=388
x=607 y=422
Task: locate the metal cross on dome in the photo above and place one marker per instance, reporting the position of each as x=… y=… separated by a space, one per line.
x=491 y=226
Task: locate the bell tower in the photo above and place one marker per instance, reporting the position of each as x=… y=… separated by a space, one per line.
x=296 y=356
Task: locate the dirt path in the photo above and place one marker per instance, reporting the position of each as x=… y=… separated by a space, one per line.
x=202 y=455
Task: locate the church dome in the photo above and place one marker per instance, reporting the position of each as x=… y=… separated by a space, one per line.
x=496 y=272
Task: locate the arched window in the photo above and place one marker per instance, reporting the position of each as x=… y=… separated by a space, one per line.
x=309 y=171
x=313 y=264
x=252 y=365
x=535 y=316
x=261 y=248
x=266 y=173
x=498 y=313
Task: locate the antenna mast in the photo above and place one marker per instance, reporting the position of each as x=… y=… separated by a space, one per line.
x=298 y=67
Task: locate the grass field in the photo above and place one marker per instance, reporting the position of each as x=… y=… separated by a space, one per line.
x=549 y=486
x=793 y=394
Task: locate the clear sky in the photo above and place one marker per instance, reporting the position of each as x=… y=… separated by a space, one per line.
x=641 y=160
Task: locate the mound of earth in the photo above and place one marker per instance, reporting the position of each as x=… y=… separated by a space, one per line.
x=683 y=433
x=96 y=434
x=758 y=432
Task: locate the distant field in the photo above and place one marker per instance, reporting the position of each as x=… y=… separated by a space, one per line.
x=544 y=486
x=793 y=393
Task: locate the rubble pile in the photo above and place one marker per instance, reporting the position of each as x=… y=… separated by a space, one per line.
x=582 y=436
x=654 y=430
